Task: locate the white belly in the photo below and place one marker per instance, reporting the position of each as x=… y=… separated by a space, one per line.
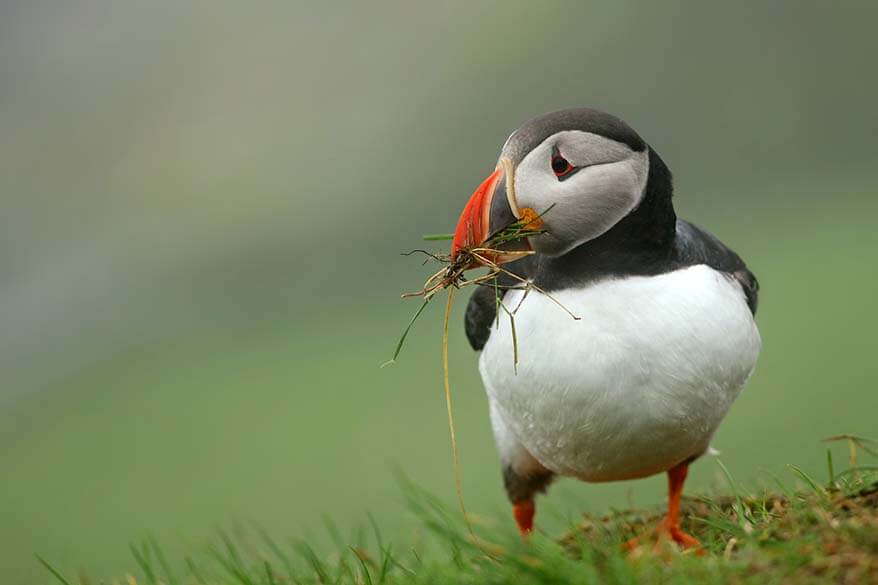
x=636 y=386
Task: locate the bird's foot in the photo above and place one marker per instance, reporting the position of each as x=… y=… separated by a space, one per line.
x=684 y=540
x=524 y=516
x=664 y=532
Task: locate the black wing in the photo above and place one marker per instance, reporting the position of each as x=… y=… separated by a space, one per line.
x=480 y=314
x=696 y=246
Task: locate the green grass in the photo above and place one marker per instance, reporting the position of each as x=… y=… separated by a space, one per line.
x=823 y=532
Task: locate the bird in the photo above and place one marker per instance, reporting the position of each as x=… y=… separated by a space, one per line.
x=663 y=337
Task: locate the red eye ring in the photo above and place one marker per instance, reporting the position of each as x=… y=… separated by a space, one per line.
x=561 y=166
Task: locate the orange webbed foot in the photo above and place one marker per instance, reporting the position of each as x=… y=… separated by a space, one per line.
x=663 y=533
x=686 y=541
x=524 y=516
x=669 y=528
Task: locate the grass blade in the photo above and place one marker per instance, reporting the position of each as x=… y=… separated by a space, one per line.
x=454 y=452
x=312 y=559
x=195 y=571
x=269 y=573
x=143 y=560
x=811 y=483
x=367 y=576
x=334 y=533
x=830 y=468
x=376 y=531
x=406 y=332
x=163 y=561
x=57 y=574
x=742 y=518
x=231 y=560
x=497 y=301
x=278 y=552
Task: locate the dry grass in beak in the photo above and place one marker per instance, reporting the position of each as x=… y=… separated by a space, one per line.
x=452 y=276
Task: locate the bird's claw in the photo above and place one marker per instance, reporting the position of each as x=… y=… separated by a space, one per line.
x=664 y=532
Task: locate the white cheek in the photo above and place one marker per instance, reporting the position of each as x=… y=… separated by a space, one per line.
x=587 y=204
x=534 y=180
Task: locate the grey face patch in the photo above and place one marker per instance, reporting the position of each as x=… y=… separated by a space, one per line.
x=609 y=184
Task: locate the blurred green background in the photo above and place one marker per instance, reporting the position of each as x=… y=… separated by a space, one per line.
x=202 y=210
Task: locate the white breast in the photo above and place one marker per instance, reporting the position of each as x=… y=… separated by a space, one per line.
x=636 y=386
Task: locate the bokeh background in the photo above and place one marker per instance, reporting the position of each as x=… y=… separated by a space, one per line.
x=202 y=207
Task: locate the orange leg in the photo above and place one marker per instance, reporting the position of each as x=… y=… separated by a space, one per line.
x=669 y=527
x=524 y=516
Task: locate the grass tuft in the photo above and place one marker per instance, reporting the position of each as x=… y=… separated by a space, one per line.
x=818 y=535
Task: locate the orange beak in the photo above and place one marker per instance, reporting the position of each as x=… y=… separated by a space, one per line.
x=491 y=209
x=473 y=227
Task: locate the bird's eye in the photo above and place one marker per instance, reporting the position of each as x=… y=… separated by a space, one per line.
x=561 y=166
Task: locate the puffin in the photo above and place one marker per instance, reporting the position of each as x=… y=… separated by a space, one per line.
x=662 y=336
